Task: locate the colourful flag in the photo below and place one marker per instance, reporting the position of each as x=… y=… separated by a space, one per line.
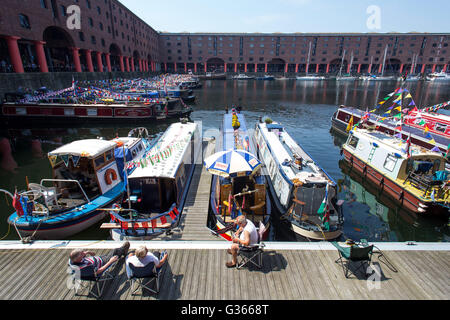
x=17 y=204
x=350 y=124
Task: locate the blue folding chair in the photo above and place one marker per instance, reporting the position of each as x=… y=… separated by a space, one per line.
x=143 y=277
x=86 y=277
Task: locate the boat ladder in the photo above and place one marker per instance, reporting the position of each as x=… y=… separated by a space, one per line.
x=372 y=152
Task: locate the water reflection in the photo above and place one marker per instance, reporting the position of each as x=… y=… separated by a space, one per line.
x=370 y=214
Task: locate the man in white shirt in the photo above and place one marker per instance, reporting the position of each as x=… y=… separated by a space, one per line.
x=141 y=257
x=247 y=235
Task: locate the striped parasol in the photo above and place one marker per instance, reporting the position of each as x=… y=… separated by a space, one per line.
x=232 y=163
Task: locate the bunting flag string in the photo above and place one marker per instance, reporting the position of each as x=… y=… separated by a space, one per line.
x=436 y=107
x=158 y=154
x=111 y=90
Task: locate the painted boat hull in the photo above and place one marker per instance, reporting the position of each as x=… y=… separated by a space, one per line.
x=220 y=224
x=150 y=233
x=77 y=113
x=63 y=232
x=176 y=209
x=305 y=230
x=395 y=191
x=67 y=224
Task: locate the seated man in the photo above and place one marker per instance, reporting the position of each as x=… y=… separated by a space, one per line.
x=87 y=260
x=246 y=235
x=141 y=257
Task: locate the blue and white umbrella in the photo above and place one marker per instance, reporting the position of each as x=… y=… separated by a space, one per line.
x=232 y=163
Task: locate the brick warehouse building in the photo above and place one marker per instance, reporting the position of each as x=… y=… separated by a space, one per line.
x=34 y=37
x=203 y=52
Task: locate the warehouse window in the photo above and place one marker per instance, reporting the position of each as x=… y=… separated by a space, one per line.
x=24 y=22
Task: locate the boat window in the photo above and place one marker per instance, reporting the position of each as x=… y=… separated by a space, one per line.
x=422 y=167
x=440 y=127
x=99 y=161
x=390 y=162
x=436 y=165
x=109 y=155
x=409 y=165
x=353 y=141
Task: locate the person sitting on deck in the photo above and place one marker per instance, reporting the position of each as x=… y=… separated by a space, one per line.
x=141 y=257
x=246 y=235
x=84 y=259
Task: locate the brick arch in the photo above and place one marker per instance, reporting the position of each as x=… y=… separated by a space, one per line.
x=393 y=65
x=59 y=46
x=215 y=64
x=115 y=57
x=276 y=65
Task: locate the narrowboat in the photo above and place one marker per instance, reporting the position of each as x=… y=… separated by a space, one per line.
x=87 y=175
x=69 y=110
x=158 y=187
x=438 y=76
x=242 y=76
x=213 y=76
x=414 y=125
x=190 y=84
x=310 y=77
x=411 y=175
x=174 y=108
x=242 y=192
x=302 y=191
x=265 y=77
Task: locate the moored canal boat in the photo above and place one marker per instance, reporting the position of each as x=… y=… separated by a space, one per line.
x=413 y=176
x=63 y=110
x=240 y=191
x=86 y=177
x=213 y=76
x=438 y=126
x=302 y=191
x=157 y=188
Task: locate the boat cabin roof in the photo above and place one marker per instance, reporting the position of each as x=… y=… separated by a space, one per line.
x=178 y=138
x=90 y=148
x=239 y=139
x=286 y=151
x=393 y=144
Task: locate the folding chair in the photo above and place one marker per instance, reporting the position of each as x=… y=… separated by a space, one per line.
x=86 y=278
x=354 y=254
x=139 y=275
x=252 y=254
x=49 y=193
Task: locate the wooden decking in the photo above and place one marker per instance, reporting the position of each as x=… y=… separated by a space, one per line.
x=201 y=274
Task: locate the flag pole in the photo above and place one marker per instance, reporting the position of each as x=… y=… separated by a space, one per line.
x=126 y=177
